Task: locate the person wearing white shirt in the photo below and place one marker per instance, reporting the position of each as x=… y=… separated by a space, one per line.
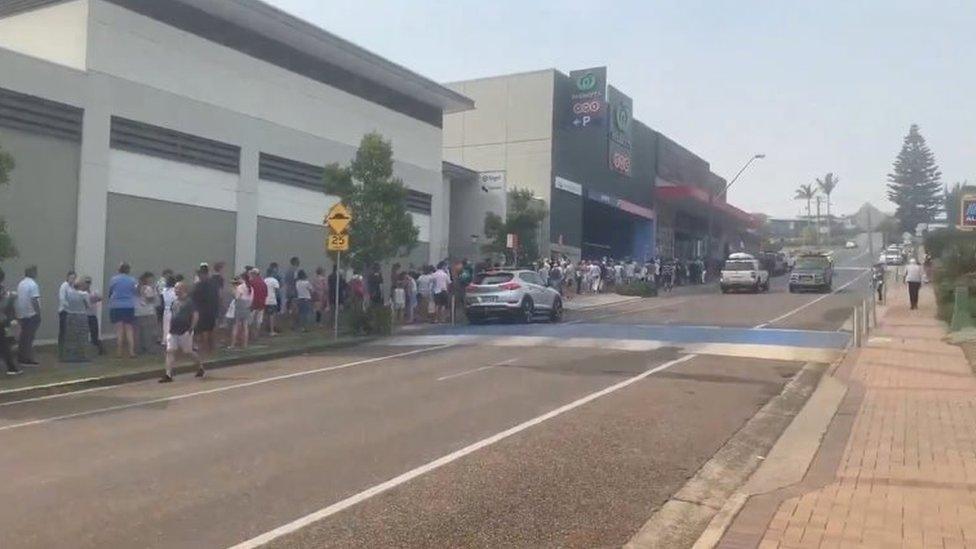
x=440 y=282
x=63 y=291
x=913 y=276
x=27 y=308
x=271 y=302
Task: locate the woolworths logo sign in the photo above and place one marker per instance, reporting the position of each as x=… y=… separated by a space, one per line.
x=586 y=82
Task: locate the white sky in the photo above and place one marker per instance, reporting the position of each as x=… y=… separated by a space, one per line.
x=817 y=86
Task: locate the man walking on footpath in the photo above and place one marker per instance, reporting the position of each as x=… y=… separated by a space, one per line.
x=28 y=310
x=913 y=276
x=6 y=317
x=180 y=336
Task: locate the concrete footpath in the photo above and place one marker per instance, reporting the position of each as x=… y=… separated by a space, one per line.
x=892 y=459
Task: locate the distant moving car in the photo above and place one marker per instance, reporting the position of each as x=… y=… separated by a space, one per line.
x=743 y=272
x=894 y=255
x=513 y=294
x=850 y=244
x=814 y=271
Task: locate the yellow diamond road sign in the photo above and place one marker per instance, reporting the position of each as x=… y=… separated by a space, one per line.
x=338 y=218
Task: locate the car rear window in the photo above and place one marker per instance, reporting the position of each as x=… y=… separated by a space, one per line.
x=486 y=279
x=738 y=266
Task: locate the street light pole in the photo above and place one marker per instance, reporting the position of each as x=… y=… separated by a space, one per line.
x=711 y=199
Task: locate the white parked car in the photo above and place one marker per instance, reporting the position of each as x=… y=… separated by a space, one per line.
x=743 y=272
x=850 y=244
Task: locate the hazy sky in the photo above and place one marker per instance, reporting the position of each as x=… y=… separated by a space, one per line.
x=817 y=86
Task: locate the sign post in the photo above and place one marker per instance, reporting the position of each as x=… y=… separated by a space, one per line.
x=337 y=221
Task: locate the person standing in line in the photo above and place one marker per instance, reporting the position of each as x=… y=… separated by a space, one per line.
x=303 y=300
x=75 y=342
x=179 y=339
x=913 y=277
x=320 y=294
x=425 y=286
x=240 y=312
x=28 y=311
x=94 y=334
x=206 y=303
x=122 y=295
x=288 y=290
x=66 y=286
x=399 y=297
x=7 y=317
x=374 y=285
x=441 y=282
x=411 y=291
x=556 y=278
x=259 y=302
x=271 y=301
x=146 y=321
x=166 y=298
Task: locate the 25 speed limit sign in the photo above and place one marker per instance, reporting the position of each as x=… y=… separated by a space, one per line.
x=337 y=242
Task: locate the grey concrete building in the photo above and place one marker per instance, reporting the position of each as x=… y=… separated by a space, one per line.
x=171 y=132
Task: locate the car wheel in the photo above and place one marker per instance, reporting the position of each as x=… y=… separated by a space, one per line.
x=526 y=311
x=556 y=313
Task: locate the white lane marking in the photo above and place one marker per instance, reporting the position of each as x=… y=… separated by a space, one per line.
x=627 y=312
x=466 y=372
x=218 y=389
x=59 y=395
x=807 y=304
x=444 y=460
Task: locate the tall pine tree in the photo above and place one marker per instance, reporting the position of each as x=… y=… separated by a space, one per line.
x=915 y=186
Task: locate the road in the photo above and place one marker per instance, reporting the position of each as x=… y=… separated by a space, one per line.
x=547 y=435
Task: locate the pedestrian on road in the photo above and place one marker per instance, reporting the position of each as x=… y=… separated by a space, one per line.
x=122 y=295
x=27 y=308
x=180 y=337
x=913 y=276
x=7 y=317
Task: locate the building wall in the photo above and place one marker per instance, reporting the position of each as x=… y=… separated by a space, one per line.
x=137 y=48
x=56 y=33
x=278 y=240
x=40 y=207
x=153 y=234
x=510 y=129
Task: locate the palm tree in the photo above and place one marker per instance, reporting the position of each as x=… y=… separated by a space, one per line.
x=827 y=186
x=806 y=192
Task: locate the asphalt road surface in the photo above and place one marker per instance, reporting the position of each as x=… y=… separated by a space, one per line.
x=571 y=439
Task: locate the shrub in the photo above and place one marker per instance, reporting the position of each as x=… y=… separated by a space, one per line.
x=638 y=288
x=376 y=320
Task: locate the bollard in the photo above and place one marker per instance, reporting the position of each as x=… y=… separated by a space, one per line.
x=854 y=330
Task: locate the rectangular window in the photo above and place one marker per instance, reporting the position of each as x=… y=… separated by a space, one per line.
x=36 y=115
x=418 y=202
x=142 y=138
x=290 y=172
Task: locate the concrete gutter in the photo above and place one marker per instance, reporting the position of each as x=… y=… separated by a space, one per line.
x=714 y=489
x=153 y=373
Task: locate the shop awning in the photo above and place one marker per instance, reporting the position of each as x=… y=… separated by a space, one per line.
x=695 y=200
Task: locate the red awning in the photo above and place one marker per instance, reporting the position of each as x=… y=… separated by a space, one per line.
x=695 y=199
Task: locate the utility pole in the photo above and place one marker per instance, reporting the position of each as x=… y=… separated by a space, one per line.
x=870 y=236
x=818 y=221
x=711 y=203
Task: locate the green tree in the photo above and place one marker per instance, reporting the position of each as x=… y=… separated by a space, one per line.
x=525 y=213
x=382 y=228
x=915 y=183
x=7 y=248
x=806 y=192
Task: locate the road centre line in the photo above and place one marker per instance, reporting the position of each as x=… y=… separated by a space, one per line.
x=219 y=389
x=377 y=489
x=628 y=311
x=466 y=372
x=807 y=304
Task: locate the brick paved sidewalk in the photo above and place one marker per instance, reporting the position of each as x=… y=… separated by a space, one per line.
x=907 y=477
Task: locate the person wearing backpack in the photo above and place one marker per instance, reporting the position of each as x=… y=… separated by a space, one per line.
x=7 y=317
x=180 y=336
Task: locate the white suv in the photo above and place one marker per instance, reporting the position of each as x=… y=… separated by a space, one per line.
x=743 y=272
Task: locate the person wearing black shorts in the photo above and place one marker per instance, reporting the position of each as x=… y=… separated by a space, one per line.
x=206 y=302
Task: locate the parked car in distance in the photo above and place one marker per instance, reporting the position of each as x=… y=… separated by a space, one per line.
x=850 y=244
x=814 y=271
x=512 y=294
x=894 y=255
x=743 y=272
